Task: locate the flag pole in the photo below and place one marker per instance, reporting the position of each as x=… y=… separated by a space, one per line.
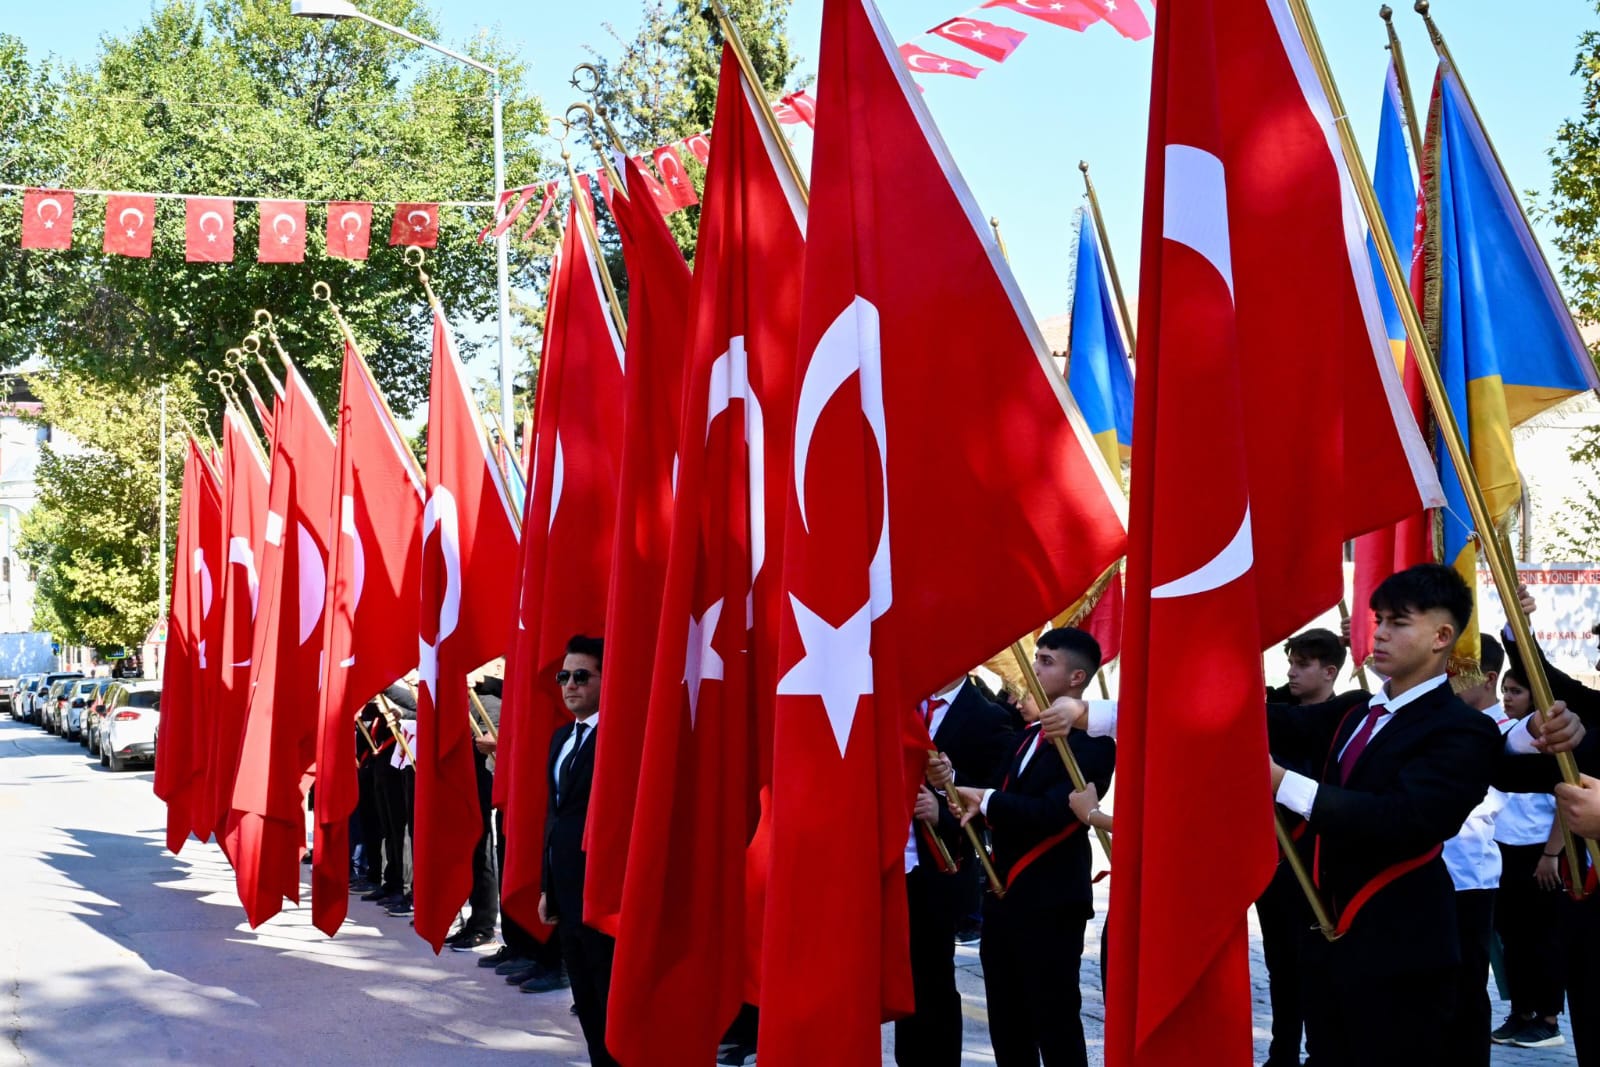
x=488 y=724
x=1111 y=262
x=1443 y=49
x=393 y=722
x=590 y=114
x=1505 y=577
x=946 y=861
x=994 y=224
x=263 y=320
x=237 y=359
x=366 y=733
x=1079 y=782
x=958 y=806
x=730 y=33
x=1360 y=671
x=592 y=235
x=1413 y=127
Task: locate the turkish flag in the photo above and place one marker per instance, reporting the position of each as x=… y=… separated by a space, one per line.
x=658 y=308
x=349 y=229
x=374 y=571
x=921 y=61
x=130 y=225
x=699 y=146
x=47 y=218
x=663 y=199
x=606 y=192
x=415 y=225
x=544 y=207
x=674 y=177
x=692 y=890
x=469 y=545
x=1071 y=14
x=182 y=748
x=266 y=824
x=882 y=606
x=568 y=525
x=263 y=411
x=985 y=38
x=1124 y=16
x=1226 y=557
x=244 y=474
x=283 y=232
x=208 y=229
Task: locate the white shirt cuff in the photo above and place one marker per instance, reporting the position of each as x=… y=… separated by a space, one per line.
x=1102 y=718
x=1297 y=793
x=1519 y=741
x=983 y=805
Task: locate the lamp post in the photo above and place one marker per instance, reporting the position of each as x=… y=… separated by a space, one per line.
x=338 y=10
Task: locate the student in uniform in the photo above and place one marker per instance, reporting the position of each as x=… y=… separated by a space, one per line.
x=1033 y=936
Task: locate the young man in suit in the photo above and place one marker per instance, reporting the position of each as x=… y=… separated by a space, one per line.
x=976 y=736
x=1033 y=936
x=569 y=774
x=1397 y=776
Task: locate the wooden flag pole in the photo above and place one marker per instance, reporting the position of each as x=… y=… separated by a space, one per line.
x=393 y=720
x=1361 y=670
x=1413 y=125
x=590 y=114
x=957 y=805
x=366 y=733
x=1079 y=782
x=1505 y=577
x=730 y=33
x=488 y=724
x=593 y=237
x=1105 y=249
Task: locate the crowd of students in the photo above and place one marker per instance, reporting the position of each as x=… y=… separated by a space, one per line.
x=1425 y=810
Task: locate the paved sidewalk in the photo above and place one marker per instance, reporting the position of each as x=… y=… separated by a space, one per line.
x=113 y=950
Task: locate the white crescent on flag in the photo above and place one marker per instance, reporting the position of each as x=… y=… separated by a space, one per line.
x=441 y=513
x=52 y=202
x=122 y=217
x=285 y=217
x=313 y=575
x=344 y=221
x=212 y=215
x=412 y=216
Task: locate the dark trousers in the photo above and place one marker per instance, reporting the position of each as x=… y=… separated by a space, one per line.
x=1528 y=920
x=1580 y=937
x=1467 y=1037
x=395 y=820
x=1030 y=981
x=1284 y=916
x=484 y=900
x=588 y=956
x=519 y=940
x=932 y=1036
x=1390 y=1020
x=371 y=828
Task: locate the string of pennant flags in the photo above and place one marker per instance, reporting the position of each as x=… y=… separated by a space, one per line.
x=209 y=221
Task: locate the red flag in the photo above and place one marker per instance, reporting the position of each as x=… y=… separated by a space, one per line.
x=374 y=567
x=658 y=306
x=244 y=474
x=415 y=225
x=883 y=606
x=699 y=146
x=1124 y=16
x=674 y=177
x=265 y=832
x=47 y=218
x=707 y=755
x=469 y=545
x=1225 y=557
x=263 y=413
x=1104 y=622
x=130 y=225
x=658 y=192
x=570 y=516
x=1071 y=14
x=544 y=207
x=182 y=747
x=283 y=232
x=208 y=229
x=349 y=229
x=985 y=38
x=606 y=191
x=921 y=61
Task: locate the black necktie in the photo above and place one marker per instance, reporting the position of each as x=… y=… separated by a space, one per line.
x=565 y=772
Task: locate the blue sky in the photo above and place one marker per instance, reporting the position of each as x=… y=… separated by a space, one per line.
x=1019 y=130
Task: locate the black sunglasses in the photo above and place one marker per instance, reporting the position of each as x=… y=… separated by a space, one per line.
x=581 y=676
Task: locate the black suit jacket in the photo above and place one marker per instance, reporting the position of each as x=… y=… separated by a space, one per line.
x=1413 y=787
x=1539 y=774
x=562 y=876
x=1030 y=808
x=976 y=734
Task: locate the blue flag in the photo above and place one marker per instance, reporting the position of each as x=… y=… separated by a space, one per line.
x=1397 y=197
x=1098 y=374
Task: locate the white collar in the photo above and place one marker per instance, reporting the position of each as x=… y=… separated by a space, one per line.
x=949 y=695
x=1382 y=698
x=591 y=722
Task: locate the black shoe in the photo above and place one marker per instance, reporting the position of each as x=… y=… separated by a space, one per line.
x=467 y=942
x=403 y=907
x=969 y=934
x=496 y=958
x=513 y=964
x=376 y=892
x=521 y=974
x=387 y=900
x=1502 y=1034
x=1536 y=1033
x=544 y=983
x=361 y=885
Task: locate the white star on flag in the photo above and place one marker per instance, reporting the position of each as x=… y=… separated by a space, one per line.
x=977 y=35
x=49 y=224
x=130 y=233
x=701 y=662
x=837 y=665
x=283 y=240
x=211 y=237
x=944 y=66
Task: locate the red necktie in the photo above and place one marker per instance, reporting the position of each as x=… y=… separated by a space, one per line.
x=1358 y=744
x=929 y=708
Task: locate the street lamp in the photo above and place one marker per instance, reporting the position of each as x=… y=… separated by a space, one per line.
x=343 y=9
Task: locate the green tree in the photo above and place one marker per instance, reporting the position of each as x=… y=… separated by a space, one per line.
x=238 y=98
x=30 y=153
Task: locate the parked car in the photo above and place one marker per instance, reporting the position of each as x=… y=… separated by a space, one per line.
x=51 y=706
x=27 y=694
x=128 y=730
x=19 y=696
x=77 y=703
x=94 y=713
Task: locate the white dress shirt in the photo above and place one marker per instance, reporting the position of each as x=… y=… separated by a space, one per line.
x=588 y=725
x=948 y=696
x=1471 y=856
x=1298 y=793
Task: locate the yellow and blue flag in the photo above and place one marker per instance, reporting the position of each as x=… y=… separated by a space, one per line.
x=1098 y=374
x=1397 y=197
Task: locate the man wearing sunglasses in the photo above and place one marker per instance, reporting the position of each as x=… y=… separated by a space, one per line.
x=570 y=772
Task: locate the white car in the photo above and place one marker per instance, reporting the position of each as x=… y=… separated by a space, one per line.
x=128 y=731
x=78 y=698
